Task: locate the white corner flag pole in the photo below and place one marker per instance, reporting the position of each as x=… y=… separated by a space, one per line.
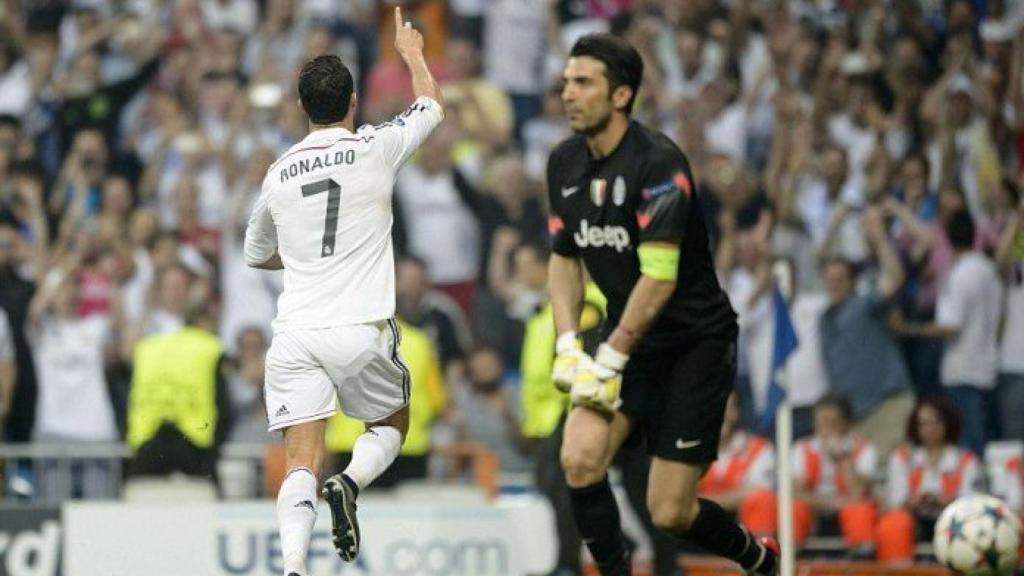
x=784 y=448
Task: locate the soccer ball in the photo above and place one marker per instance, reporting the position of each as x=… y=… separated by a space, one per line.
x=978 y=536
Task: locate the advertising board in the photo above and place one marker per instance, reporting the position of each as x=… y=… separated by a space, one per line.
x=399 y=539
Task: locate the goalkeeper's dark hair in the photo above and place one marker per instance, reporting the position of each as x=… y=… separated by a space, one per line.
x=325 y=89
x=622 y=63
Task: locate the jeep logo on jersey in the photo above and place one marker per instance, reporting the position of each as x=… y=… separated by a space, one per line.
x=598 y=190
x=598 y=236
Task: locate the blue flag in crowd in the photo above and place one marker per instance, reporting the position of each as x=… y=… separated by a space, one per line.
x=784 y=343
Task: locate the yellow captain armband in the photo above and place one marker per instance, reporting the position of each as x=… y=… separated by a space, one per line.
x=659 y=262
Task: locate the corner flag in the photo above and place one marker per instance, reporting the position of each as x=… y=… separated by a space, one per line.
x=785 y=342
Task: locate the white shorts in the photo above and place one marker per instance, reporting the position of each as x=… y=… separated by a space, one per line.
x=359 y=365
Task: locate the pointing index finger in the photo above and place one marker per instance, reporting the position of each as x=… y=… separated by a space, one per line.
x=398 y=18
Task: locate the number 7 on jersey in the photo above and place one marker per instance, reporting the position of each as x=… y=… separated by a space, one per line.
x=333 y=190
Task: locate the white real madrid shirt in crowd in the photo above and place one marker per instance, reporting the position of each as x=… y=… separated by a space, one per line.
x=806 y=378
x=442 y=230
x=971 y=301
x=73 y=401
x=325 y=206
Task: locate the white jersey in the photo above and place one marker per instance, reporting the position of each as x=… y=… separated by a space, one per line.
x=325 y=206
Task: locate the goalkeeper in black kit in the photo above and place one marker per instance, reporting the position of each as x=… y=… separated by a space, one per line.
x=624 y=203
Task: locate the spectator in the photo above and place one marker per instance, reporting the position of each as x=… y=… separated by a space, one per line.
x=833 y=472
x=85 y=100
x=517 y=277
x=489 y=411
x=967 y=317
x=179 y=410
x=433 y=312
x=8 y=370
x=479 y=108
x=238 y=15
x=77 y=193
x=915 y=214
x=745 y=265
x=509 y=203
x=830 y=208
x=806 y=375
x=245 y=379
x=862 y=358
x=542 y=133
x=15 y=295
x=1010 y=258
x=924 y=478
x=436 y=202
x=71 y=354
x=514 y=45
x=15 y=80
x=248 y=295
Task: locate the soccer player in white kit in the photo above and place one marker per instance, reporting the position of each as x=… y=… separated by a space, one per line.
x=324 y=216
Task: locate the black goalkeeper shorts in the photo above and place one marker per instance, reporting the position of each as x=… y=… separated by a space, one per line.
x=675 y=398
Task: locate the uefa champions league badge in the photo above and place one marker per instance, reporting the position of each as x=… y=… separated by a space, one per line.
x=598 y=191
x=619 y=191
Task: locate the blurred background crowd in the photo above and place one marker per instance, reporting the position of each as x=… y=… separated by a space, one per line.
x=874 y=146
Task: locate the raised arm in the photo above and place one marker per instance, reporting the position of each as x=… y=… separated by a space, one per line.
x=409 y=44
x=893 y=274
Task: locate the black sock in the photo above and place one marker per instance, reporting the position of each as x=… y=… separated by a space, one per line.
x=351 y=484
x=716 y=532
x=597 y=518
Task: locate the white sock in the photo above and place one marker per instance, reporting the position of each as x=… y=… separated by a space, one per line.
x=296 y=514
x=372 y=453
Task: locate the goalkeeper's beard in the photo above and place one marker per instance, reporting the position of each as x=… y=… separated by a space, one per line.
x=596 y=128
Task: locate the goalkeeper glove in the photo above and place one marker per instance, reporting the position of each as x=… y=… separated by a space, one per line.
x=569 y=356
x=598 y=383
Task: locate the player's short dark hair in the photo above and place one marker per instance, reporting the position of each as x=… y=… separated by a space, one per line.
x=960 y=230
x=947 y=413
x=325 y=89
x=837 y=401
x=622 y=63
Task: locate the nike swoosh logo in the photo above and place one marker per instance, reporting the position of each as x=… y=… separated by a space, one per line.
x=681 y=445
x=566 y=192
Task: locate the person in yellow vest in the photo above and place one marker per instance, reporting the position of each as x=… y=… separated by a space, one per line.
x=543 y=415
x=426 y=402
x=178 y=406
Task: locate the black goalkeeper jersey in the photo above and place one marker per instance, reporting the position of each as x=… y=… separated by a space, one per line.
x=602 y=209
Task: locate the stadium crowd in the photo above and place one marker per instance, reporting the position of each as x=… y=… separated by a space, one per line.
x=875 y=147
